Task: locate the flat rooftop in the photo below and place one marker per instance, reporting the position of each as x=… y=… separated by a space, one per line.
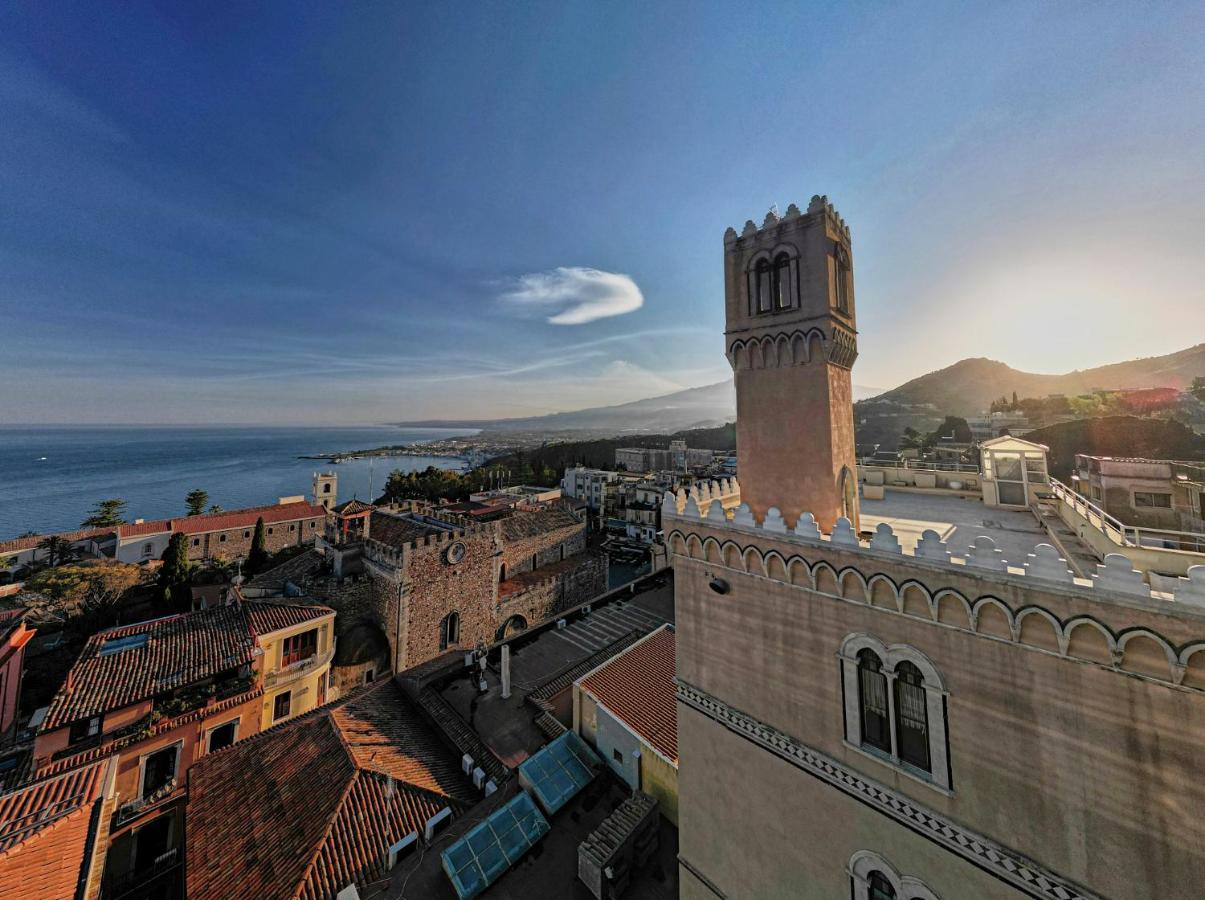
x=507 y=726
x=957 y=519
x=549 y=870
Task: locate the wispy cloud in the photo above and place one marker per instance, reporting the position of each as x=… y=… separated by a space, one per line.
x=575 y=295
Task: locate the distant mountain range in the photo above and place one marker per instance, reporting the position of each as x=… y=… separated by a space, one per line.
x=963 y=389
x=969 y=386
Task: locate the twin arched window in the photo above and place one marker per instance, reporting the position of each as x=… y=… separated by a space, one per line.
x=770 y=284
x=449 y=630
x=896 y=707
x=876 y=879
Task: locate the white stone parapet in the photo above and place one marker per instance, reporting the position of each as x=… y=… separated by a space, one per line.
x=1116 y=574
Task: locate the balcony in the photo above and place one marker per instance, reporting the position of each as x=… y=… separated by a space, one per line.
x=135 y=808
x=160 y=879
x=297 y=669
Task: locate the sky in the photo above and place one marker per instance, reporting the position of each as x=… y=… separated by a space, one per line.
x=352 y=213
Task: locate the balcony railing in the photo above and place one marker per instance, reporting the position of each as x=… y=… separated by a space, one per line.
x=128 y=811
x=298 y=668
x=923 y=465
x=133 y=884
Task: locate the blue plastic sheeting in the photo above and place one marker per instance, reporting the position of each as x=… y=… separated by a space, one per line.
x=556 y=774
x=491 y=847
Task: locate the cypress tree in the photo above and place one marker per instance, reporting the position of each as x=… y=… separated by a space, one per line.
x=258 y=556
x=176 y=570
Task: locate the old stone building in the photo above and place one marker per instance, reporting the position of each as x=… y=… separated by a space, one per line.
x=438 y=583
x=906 y=712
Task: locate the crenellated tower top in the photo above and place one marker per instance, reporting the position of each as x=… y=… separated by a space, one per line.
x=791 y=339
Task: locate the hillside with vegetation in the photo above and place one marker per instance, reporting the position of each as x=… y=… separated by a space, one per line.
x=970 y=386
x=1117 y=436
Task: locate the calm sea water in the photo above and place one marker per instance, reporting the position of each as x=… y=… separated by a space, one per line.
x=50 y=476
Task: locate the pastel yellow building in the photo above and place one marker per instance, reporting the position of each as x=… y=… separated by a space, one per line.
x=298 y=644
x=626 y=709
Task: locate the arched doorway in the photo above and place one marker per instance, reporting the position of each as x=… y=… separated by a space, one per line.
x=512 y=626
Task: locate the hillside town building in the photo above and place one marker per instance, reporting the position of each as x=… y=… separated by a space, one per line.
x=1156 y=494
x=15 y=634
x=913 y=697
x=155 y=697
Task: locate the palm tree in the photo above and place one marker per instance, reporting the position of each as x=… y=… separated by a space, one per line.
x=57 y=550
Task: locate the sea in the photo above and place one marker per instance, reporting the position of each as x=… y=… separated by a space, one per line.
x=51 y=476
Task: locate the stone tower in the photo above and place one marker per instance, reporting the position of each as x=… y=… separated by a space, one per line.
x=791 y=340
x=326 y=489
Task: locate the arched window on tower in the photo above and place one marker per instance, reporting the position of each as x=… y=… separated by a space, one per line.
x=449 y=630
x=911 y=716
x=782 y=282
x=841 y=276
x=762 y=283
x=872 y=701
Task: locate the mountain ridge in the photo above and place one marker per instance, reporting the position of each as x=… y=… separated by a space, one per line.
x=964 y=388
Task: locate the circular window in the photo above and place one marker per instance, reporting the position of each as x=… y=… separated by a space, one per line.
x=456 y=552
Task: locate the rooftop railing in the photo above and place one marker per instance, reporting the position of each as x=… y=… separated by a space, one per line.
x=1126 y=535
x=923 y=465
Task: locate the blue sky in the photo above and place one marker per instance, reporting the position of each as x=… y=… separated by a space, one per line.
x=329 y=213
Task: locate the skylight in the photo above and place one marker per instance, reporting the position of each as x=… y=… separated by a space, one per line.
x=480 y=858
x=116 y=645
x=559 y=771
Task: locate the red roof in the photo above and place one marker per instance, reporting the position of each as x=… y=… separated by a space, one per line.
x=638 y=688
x=28 y=543
x=246 y=518
x=265 y=617
x=308 y=807
x=46 y=837
x=224 y=521
x=178 y=650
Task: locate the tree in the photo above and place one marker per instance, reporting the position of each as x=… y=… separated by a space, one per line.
x=258 y=557
x=87 y=595
x=196 y=500
x=57 y=550
x=176 y=569
x=106 y=513
x=215 y=509
x=1198 y=388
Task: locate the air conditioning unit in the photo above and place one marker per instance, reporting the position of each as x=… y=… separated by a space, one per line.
x=468 y=660
x=560 y=624
x=396 y=851
x=433 y=823
x=490 y=787
x=478 y=778
x=466 y=764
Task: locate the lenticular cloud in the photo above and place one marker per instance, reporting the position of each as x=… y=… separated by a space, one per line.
x=575 y=295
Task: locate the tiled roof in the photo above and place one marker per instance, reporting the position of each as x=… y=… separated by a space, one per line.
x=28 y=543
x=46 y=836
x=265 y=617
x=179 y=650
x=522 y=524
x=224 y=521
x=140 y=529
x=396 y=531
x=308 y=807
x=638 y=688
x=246 y=518
x=294 y=569
x=353 y=506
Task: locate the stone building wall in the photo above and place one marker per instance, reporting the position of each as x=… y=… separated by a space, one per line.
x=235 y=543
x=435 y=587
x=547 y=548
x=578 y=580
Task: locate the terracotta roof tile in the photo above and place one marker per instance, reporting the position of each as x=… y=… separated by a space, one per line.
x=638 y=688
x=266 y=617
x=246 y=518
x=399 y=530
x=178 y=650
x=46 y=834
x=520 y=524
x=306 y=808
x=28 y=543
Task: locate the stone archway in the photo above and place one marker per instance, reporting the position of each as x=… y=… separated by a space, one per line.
x=512 y=626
